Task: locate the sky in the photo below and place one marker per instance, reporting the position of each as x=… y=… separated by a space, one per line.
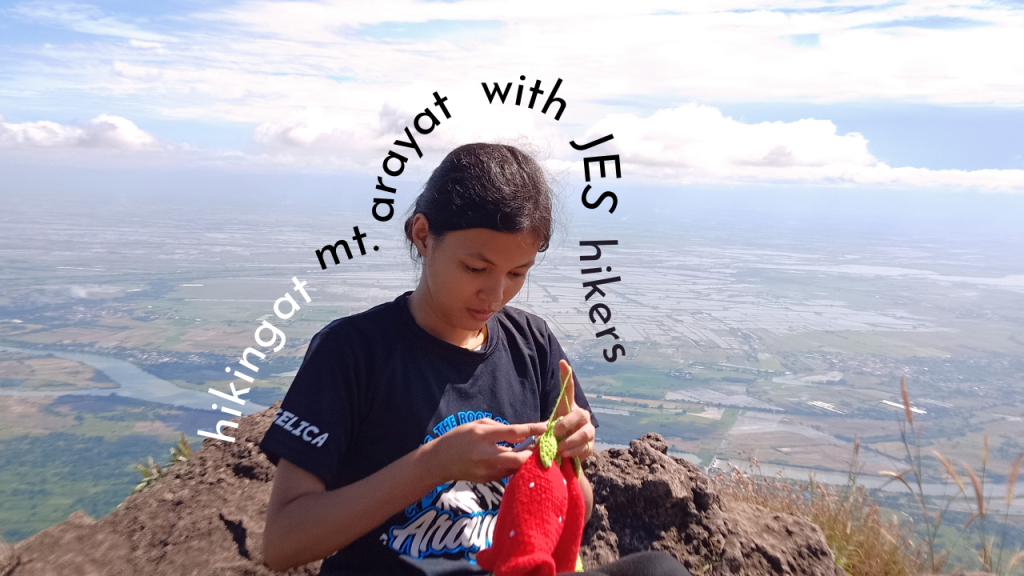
x=818 y=95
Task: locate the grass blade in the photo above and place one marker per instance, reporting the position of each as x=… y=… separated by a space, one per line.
x=1012 y=479
x=906 y=400
x=977 y=490
x=951 y=471
x=1016 y=558
x=974 y=516
x=984 y=454
x=899 y=476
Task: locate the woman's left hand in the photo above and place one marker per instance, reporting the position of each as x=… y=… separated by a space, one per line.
x=575 y=429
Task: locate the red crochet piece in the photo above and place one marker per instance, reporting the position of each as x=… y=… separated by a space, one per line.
x=539 y=524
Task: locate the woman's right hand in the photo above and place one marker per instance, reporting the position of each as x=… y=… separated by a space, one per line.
x=470 y=451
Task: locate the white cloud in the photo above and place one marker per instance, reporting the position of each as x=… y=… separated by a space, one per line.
x=257 y=60
x=689 y=144
x=324 y=86
x=698 y=144
x=84 y=18
x=104 y=131
x=696 y=137
x=144 y=44
x=708 y=50
x=314 y=127
x=315 y=135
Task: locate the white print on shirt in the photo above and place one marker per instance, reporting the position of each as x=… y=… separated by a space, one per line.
x=462 y=497
x=304 y=430
x=460 y=519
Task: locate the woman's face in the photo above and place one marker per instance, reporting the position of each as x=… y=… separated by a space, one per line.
x=468 y=275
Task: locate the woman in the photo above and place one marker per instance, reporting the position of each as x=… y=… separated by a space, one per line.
x=395 y=435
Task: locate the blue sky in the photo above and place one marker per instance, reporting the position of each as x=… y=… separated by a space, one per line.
x=816 y=93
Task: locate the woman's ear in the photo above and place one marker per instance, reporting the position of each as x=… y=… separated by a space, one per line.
x=420 y=233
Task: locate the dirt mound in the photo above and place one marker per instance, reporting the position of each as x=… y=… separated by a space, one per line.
x=207 y=517
x=645 y=499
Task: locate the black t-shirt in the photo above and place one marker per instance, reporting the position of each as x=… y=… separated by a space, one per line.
x=374 y=386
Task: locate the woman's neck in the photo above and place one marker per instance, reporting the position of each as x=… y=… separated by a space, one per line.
x=426 y=316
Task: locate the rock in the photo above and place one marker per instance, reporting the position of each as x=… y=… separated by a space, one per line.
x=207 y=517
x=648 y=500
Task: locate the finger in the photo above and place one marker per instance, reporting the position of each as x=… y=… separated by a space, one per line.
x=579 y=443
x=511 y=461
x=572 y=422
x=569 y=401
x=495 y=431
x=515 y=432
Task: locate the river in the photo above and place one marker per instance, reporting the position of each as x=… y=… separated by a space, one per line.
x=132 y=381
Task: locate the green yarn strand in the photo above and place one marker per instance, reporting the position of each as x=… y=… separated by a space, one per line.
x=547 y=442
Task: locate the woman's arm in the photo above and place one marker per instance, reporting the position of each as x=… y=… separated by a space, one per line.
x=306 y=522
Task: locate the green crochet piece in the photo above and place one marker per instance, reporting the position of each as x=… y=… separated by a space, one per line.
x=548 y=447
x=548 y=443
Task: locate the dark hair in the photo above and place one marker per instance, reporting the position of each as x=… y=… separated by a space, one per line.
x=491 y=186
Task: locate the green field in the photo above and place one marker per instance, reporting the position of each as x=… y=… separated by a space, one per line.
x=43 y=479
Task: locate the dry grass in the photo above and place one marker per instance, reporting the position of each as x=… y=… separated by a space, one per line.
x=864 y=544
x=151 y=472
x=992 y=554
x=992 y=558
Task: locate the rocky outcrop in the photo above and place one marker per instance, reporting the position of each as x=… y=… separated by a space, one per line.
x=207 y=517
x=645 y=499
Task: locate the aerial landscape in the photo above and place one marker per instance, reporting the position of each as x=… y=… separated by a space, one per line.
x=782 y=348
x=785 y=266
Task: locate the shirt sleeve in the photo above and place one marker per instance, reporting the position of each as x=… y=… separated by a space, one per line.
x=549 y=395
x=317 y=419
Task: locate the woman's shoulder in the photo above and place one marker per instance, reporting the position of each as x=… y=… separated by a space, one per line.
x=523 y=323
x=381 y=312
x=361 y=327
